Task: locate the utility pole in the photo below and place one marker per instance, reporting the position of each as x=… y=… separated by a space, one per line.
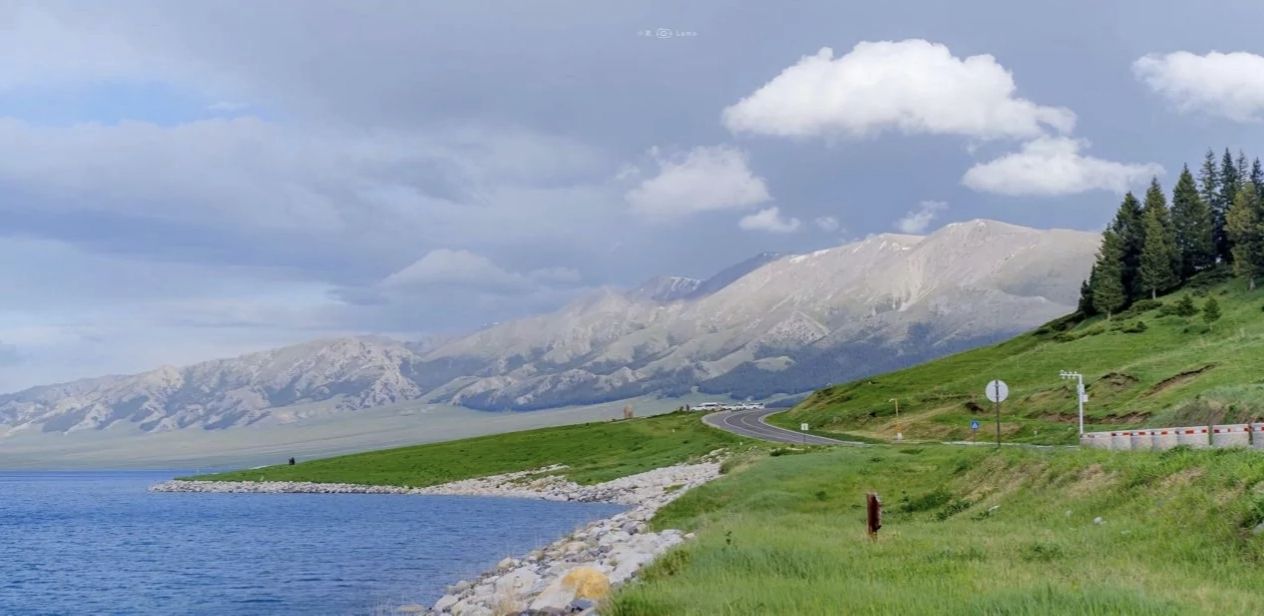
x=1080 y=395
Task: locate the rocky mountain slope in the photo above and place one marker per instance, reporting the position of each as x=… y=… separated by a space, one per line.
x=773 y=324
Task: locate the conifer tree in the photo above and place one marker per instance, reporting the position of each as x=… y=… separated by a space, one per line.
x=1085 y=305
x=1156 y=202
x=1191 y=226
x=1209 y=180
x=1211 y=311
x=1257 y=178
x=1209 y=190
x=1246 y=234
x=1107 y=281
x=1230 y=182
x=1157 y=271
x=1130 y=229
x=1185 y=307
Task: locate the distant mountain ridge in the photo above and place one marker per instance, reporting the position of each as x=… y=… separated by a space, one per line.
x=770 y=325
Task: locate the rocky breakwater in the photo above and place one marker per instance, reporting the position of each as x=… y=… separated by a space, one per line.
x=569 y=576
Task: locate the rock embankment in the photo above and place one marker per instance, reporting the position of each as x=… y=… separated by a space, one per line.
x=570 y=575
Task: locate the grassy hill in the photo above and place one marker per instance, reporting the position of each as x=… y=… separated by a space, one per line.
x=594 y=452
x=967 y=530
x=1146 y=366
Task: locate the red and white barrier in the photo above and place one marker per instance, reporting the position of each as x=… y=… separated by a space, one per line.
x=1162 y=439
x=1197 y=437
x=1121 y=441
x=1095 y=440
x=1257 y=435
x=1231 y=435
x=1141 y=440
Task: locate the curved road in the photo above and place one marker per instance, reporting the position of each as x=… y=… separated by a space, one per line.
x=751 y=424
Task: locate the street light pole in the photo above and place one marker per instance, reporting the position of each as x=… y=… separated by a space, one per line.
x=1080 y=395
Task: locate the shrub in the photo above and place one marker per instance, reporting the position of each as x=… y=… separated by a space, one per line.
x=926 y=502
x=1143 y=305
x=1136 y=327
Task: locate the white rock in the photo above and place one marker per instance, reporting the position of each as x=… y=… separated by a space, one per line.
x=445 y=602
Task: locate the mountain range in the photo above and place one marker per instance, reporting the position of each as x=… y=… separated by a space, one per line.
x=772 y=325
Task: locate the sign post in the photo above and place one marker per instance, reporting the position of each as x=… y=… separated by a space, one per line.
x=974 y=429
x=1080 y=395
x=997 y=391
x=803 y=427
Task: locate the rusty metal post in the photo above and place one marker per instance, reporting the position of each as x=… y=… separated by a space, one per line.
x=874 y=508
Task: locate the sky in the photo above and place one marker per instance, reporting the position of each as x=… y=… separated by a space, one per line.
x=188 y=180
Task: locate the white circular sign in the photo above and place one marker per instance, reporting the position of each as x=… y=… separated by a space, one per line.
x=997 y=391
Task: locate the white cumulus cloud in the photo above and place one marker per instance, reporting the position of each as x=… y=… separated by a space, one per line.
x=916 y=221
x=703 y=179
x=769 y=219
x=1054 y=166
x=912 y=86
x=1224 y=84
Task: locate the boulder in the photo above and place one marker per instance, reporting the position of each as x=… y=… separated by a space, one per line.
x=516 y=583
x=445 y=602
x=584 y=582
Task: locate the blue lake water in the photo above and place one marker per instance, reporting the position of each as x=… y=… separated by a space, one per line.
x=98 y=543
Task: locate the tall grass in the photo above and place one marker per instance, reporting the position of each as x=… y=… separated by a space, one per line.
x=968 y=531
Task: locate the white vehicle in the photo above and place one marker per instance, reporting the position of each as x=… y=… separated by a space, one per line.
x=706 y=406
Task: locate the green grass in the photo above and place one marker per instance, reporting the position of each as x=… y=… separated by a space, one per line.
x=594 y=452
x=1176 y=370
x=967 y=530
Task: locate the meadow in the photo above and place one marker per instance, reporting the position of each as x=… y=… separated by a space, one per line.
x=967 y=530
x=1146 y=366
x=593 y=452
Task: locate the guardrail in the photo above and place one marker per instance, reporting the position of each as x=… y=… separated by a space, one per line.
x=1161 y=439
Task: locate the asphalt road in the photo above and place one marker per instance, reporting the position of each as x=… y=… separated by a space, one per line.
x=751 y=424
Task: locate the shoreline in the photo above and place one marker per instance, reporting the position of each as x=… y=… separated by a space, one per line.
x=568 y=576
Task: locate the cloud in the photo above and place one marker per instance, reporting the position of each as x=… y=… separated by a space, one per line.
x=1224 y=84
x=770 y=220
x=828 y=224
x=1054 y=166
x=912 y=86
x=463 y=268
x=704 y=179
x=916 y=221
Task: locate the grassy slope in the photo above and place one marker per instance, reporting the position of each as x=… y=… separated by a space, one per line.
x=594 y=452
x=786 y=535
x=1126 y=373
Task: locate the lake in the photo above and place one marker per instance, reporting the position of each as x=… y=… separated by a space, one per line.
x=99 y=543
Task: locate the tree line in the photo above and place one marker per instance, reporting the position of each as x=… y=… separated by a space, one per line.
x=1151 y=248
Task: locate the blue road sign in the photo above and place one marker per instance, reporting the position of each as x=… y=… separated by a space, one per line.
x=974 y=424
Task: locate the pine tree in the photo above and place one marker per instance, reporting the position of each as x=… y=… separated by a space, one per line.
x=1211 y=311
x=1257 y=178
x=1230 y=182
x=1156 y=202
x=1209 y=190
x=1246 y=234
x=1191 y=226
x=1085 y=305
x=1185 y=307
x=1107 y=282
x=1130 y=229
x=1157 y=269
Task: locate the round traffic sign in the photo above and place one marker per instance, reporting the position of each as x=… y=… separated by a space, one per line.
x=997 y=391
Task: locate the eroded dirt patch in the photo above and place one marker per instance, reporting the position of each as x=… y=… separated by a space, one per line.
x=1177 y=380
